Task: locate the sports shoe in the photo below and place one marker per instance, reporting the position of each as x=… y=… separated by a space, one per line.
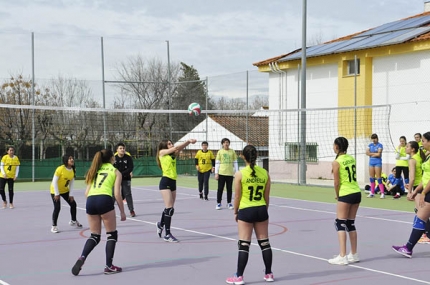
x=124 y=202
x=112 y=270
x=201 y=195
x=218 y=206
x=382 y=196
x=4 y=205
x=206 y=198
x=339 y=260
x=78 y=266
x=236 y=280
x=424 y=239
x=11 y=206
x=370 y=195
x=132 y=214
x=54 y=230
x=170 y=238
x=159 y=229
x=403 y=250
x=352 y=258
x=397 y=196
x=75 y=224
x=269 y=277
x=230 y=206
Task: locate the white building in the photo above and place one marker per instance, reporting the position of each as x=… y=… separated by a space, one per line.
x=393 y=78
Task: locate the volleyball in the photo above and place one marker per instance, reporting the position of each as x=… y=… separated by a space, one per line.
x=194 y=109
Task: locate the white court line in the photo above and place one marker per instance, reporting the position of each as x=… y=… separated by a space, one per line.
x=3 y=282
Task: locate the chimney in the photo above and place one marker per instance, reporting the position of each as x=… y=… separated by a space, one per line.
x=426 y=6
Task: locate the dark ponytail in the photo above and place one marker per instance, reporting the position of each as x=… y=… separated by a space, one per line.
x=250 y=155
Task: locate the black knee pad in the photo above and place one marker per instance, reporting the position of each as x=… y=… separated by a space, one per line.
x=169 y=211
x=340 y=225
x=95 y=238
x=350 y=226
x=264 y=244
x=243 y=245
x=112 y=236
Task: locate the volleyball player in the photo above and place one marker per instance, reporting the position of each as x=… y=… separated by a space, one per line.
x=9 y=167
x=415 y=178
x=62 y=186
x=348 y=196
x=374 y=151
x=251 y=203
x=100 y=179
x=423 y=213
x=225 y=167
x=205 y=164
x=402 y=159
x=166 y=160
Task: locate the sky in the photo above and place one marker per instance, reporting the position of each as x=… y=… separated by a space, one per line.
x=217 y=38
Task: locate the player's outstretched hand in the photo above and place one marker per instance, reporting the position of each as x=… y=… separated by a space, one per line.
x=193 y=141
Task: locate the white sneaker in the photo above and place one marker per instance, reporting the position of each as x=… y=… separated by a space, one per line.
x=230 y=206
x=382 y=196
x=54 y=230
x=352 y=258
x=75 y=224
x=370 y=195
x=218 y=206
x=339 y=260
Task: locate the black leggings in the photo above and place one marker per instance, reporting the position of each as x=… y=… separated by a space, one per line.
x=57 y=207
x=228 y=181
x=203 y=179
x=10 y=183
x=405 y=170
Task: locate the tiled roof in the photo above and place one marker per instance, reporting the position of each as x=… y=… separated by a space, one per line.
x=421 y=37
x=258 y=128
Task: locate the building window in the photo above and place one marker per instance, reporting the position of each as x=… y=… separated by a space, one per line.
x=350 y=67
x=292 y=151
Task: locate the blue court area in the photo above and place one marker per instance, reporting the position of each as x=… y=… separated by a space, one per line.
x=301 y=233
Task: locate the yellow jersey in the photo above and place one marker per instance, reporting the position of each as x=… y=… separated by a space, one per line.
x=65 y=176
x=168 y=166
x=347 y=175
x=104 y=181
x=9 y=165
x=204 y=160
x=253 y=187
x=226 y=159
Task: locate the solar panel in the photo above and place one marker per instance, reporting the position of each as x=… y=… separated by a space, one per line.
x=373 y=41
x=378 y=29
x=407 y=36
x=397 y=25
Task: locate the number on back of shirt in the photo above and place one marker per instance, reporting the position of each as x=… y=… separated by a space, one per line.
x=352 y=175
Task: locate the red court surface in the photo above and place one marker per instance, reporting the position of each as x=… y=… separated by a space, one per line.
x=301 y=233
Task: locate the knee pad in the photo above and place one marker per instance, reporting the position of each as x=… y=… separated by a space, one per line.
x=419 y=224
x=340 y=225
x=243 y=245
x=264 y=244
x=112 y=236
x=372 y=180
x=350 y=226
x=169 y=211
x=95 y=238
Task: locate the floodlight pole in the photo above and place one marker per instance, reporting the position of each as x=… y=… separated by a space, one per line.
x=302 y=173
x=168 y=88
x=104 y=93
x=33 y=127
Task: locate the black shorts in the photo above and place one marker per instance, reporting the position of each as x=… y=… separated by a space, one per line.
x=253 y=214
x=99 y=204
x=354 y=198
x=167 y=183
x=427 y=198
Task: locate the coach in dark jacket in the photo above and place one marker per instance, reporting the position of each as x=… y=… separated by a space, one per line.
x=124 y=164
